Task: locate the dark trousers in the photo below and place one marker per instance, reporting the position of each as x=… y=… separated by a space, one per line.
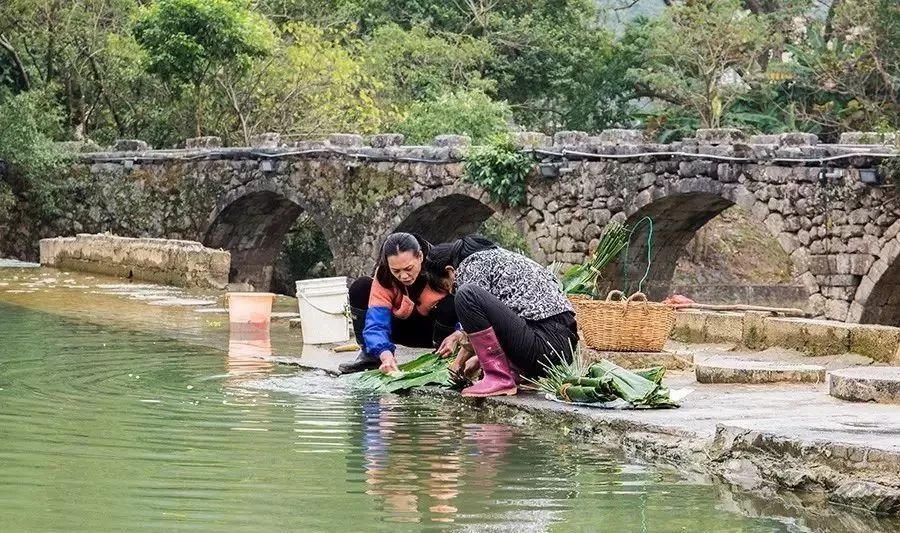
x=529 y=344
x=417 y=331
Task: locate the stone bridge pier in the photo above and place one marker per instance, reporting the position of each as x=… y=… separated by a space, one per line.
x=822 y=204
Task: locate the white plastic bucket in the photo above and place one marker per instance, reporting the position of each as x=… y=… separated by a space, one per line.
x=250 y=309
x=322 y=304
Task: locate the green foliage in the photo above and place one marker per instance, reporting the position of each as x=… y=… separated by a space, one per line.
x=846 y=77
x=583 y=279
x=164 y=70
x=305 y=251
x=27 y=121
x=702 y=56
x=505 y=234
x=427 y=369
x=312 y=83
x=501 y=169
x=186 y=39
x=471 y=113
x=415 y=65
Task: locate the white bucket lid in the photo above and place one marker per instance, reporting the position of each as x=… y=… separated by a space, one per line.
x=323 y=291
x=317 y=282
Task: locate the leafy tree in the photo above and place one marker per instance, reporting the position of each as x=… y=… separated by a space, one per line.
x=471 y=113
x=62 y=47
x=415 y=65
x=311 y=83
x=28 y=122
x=846 y=74
x=703 y=55
x=188 y=41
x=547 y=58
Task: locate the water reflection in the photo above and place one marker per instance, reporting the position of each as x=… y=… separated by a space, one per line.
x=427 y=467
x=248 y=354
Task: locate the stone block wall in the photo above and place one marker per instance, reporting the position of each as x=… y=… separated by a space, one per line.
x=842 y=233
x=174 y=262
x=759 y=331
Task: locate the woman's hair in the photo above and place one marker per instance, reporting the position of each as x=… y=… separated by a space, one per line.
x=396 y=244
x=452 y=254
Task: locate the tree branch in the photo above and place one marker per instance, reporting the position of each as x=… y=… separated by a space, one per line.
x=23 y=83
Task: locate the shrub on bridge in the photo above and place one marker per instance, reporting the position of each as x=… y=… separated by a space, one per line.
x=501 y=169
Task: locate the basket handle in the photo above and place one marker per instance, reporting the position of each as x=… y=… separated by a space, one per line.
x=618 y=293
x=636 y=297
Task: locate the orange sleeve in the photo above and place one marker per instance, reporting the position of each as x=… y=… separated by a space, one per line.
x=428 y=300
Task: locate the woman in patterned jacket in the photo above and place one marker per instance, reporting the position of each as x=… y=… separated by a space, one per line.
x=512 y=309
x=397 y=306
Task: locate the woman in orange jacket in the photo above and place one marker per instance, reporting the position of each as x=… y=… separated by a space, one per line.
x=398 y=306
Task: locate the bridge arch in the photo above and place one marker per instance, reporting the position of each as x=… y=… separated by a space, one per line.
x=446 y=217
x=678 y=212
x=877 y=298
x=251 y=223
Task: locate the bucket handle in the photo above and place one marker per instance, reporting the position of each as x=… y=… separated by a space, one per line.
x=343 y=311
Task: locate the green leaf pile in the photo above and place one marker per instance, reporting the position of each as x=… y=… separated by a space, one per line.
x=427 y=369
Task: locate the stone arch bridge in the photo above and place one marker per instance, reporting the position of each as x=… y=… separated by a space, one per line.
x=821 y=203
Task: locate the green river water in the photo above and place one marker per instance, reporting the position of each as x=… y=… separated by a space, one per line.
x=109 y=428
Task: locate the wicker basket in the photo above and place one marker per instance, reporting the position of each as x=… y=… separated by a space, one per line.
x=624 y=325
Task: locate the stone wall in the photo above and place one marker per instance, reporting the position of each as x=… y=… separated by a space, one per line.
x=771 y=295
x=759 y=331
x=173 y=262
x=840 y=231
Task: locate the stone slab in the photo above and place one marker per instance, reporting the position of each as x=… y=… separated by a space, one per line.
x=881 y=343
x=724 y=327
x=813 y=337
x=878 y=384
x=737 y=370
x=167 y=261
x=690 y=326
x=668 y=359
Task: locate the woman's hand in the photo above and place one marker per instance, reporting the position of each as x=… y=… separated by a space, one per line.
x=450 y=344
x=388 y=362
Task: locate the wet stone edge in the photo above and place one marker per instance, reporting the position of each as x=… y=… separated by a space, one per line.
x=864 y=479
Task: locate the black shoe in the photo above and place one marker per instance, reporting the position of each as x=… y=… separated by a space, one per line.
x=362 y=363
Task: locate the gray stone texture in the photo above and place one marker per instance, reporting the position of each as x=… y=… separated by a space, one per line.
x=866 y=384
x=174 y=262
x=841 y=235
x=735 y=370
x=199 y=143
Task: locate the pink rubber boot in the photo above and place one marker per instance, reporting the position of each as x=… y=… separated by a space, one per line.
x=498 y=379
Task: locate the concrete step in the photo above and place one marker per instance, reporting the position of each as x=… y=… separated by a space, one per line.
x=880 y=384
x=737 y=370
x=633 y=360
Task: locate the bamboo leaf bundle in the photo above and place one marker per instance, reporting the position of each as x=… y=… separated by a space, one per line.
x=605 y=382
x=582 y=279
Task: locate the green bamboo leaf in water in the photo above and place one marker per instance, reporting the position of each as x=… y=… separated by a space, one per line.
x=427 y=369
